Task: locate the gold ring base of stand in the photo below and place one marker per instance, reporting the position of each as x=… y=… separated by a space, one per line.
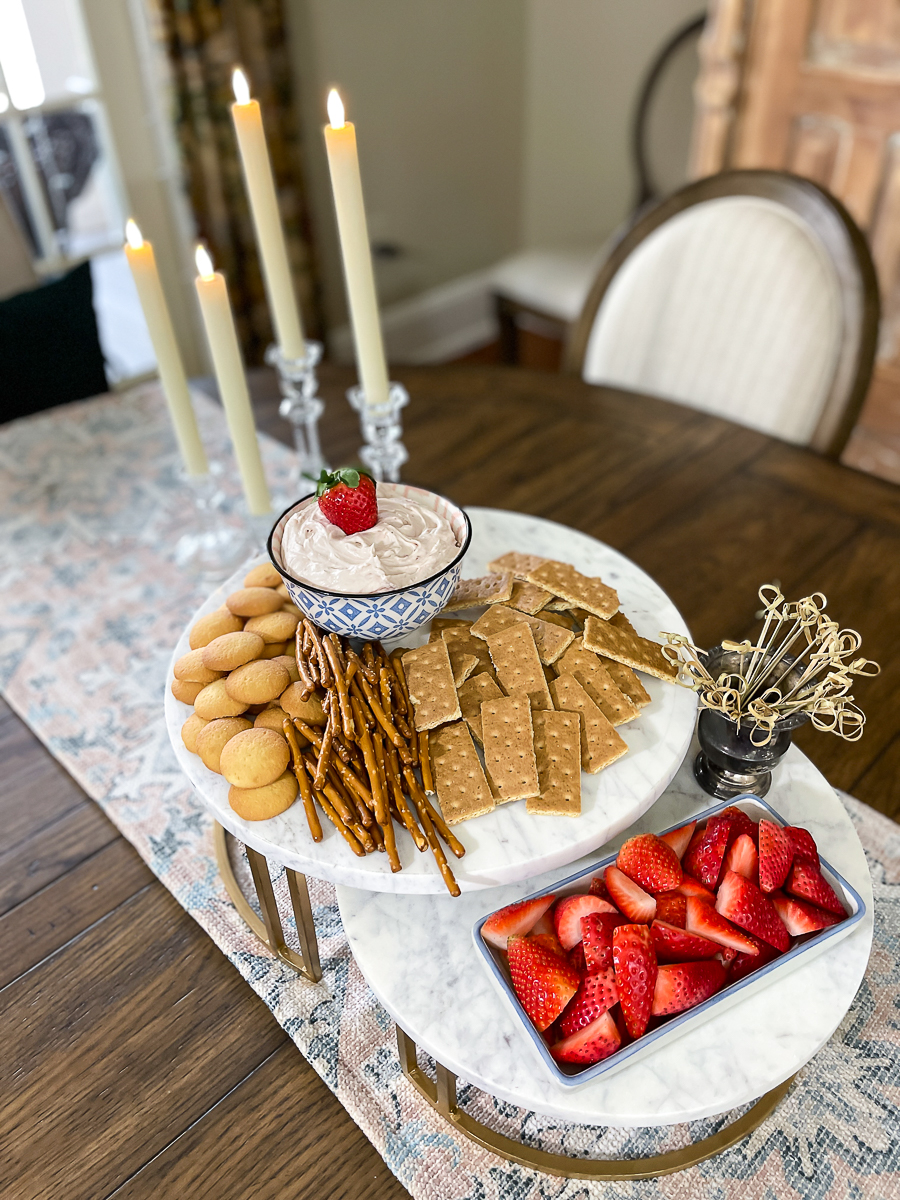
x=269 y=930
x=442 y=1098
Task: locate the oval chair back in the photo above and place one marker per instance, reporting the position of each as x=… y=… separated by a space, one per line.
x=748 y=294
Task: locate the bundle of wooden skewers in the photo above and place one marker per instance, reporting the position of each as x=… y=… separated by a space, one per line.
x=802 y=663
x=361 y=769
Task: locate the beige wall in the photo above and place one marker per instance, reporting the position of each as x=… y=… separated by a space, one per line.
x=586 y=60
x=435 y=88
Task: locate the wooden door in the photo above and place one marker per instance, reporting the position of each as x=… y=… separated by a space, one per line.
x=813 y=87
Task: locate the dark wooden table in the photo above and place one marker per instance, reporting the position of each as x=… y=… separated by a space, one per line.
x=153 y=1070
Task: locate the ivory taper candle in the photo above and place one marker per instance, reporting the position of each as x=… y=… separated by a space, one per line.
x=260 y=184
x=142 y=262
x=343 y=163
x=229 y=368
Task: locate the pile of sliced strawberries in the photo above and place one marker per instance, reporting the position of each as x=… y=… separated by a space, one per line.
x=678 y=918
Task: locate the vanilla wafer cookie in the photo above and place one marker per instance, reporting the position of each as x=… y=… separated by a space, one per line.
x=472 y=695
x=597 y=682
x=636 y=652
x=461 y=641
x=486 y=589
x=515 y=658
x=429 y=678
x=519 y=564
x=509 y=760
x=600 y=744
x=459 y=779
x=557 y=749
x=584 y=591
x=528 y=598
x=551 y=639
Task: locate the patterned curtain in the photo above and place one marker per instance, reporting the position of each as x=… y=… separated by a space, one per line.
x=205 y=39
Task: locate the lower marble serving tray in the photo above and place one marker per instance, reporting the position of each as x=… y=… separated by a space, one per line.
x=803 y=949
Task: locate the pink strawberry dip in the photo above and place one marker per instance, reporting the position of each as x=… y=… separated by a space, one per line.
x=408 y=544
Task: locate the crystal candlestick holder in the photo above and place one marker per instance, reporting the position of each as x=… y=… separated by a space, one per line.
x=383 y=453
x=211 y=547
x=301 y=405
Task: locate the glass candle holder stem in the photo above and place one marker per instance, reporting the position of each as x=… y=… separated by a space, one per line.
x=301 y=405
x=211 y=547
x=383 y=453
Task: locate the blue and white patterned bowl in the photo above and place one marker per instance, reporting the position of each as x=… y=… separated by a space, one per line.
x=379 y=615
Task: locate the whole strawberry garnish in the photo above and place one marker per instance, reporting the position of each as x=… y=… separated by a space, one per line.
x=347 y=498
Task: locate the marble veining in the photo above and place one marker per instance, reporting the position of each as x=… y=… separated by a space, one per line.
x=507 y=845
x=418 y=957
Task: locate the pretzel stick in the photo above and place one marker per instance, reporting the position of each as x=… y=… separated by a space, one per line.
x=387 y=826
x=384 y=686
x=425 y=762
x=359 y=701
x=386 y=724
x=308 y=654
x=352 y=668
x=324 y=673
x=340 y=683
x=422 y=801
x=400 y=692
x=325 y=749
x=369 y=659
x=403 y=809
x=353 y=657
x=382 y=815
x=425 y=819
x=348 y=776
x=340 y=805
x=312 y=817
x=339 y=825
x=302 y=669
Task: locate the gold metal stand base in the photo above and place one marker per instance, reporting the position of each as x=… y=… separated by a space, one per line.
x=442 y=1098
x=270 y=931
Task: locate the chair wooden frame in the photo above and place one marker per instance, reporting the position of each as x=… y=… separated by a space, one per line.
x=845 y=245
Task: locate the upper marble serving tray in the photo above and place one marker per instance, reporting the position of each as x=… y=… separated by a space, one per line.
x=507 y=845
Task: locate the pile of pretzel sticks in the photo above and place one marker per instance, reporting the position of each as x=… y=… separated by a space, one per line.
x=361 y=769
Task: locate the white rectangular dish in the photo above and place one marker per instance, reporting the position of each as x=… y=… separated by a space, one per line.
x=801 y=951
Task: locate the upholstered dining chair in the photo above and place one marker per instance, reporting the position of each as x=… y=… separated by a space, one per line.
x=749 y=294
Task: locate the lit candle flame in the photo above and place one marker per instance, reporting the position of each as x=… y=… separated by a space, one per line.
x=335 y=110
x=133 y=235
x=204 y=263
x=241 y=86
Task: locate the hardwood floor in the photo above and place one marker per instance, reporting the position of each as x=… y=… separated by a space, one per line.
x=137 y=1063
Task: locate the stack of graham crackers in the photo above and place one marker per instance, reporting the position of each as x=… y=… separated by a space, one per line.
x=539 y=681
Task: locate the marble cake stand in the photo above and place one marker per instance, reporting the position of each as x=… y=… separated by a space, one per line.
x=418 y=957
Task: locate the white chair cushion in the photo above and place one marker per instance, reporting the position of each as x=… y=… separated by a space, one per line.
x=554 y=282
x=733 y=307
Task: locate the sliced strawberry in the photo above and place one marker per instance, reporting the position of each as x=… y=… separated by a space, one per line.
x=597 y=929
x=650 y=862
x=743 y=858
x=576 y=958
x=597 y=994
x=775 y=854
x=592 y=1044
x=742 y=903
x=727 y=955
x=634 y=960
x=544 y=924
x=679 y=839
x=568 y=913
x=598 y=888
x=704 y=860
x=703 y=919
x=672 y=908
x=746 y=964
x=800 y=917
x=683 y=985
x=514 y=919
x=549 y=941
x=740 y=822
x=691 y=887
x=543 y=982
x=630 y=899
x=673 y=945
x=803 y=844
x=807 y=883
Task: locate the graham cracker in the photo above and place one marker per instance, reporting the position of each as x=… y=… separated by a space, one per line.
x=557 y=748
x=551 y=640
x=519 y=564
x=527 y=598
x=628 y=648
x=461 y=641
x=429 y=678
x=582 y=590
x=509 y=760
x=600 y=744
x=486 y=589
x=462 y=666
x=459 y=779
x=439 y=624
x=557 y=618
x=627 y=682
x=597 y=682
x=557 y=604
x=621 y=622
x=518 y=667
x=472 y=695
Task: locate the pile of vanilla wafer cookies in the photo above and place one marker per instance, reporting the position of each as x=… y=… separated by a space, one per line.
x=539 y=681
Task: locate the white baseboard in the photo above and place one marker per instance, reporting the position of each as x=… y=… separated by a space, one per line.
x=436 y=326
